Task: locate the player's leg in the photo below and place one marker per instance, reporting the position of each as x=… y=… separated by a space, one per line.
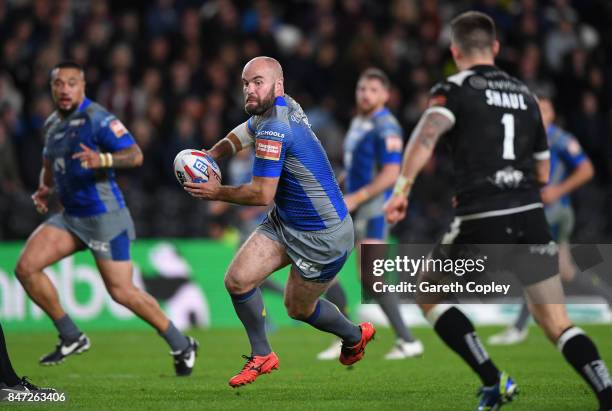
x=48 y=244
x=303 y=302
x=336 y=295
x=457 y=331
x=255 y=261
x=406 y=345
x=577 y=348
x=8 y=376
x=258 y=257
x=10 y=383
x=117 y=276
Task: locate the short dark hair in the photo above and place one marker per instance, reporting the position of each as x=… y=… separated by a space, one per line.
x=378 y=74
x=68 y=64
x=473 y=31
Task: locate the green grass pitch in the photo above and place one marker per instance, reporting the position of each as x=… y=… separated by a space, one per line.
x=133 y=370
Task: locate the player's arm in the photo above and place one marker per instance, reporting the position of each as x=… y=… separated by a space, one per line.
x=126 y=158
x=580 y=175
x=259 y=192
x=434 y=123
x=383 y=180
x=239 y=138
x=542 y=170
x=45 y=183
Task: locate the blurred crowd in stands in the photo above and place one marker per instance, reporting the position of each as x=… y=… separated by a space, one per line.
x=170 y=70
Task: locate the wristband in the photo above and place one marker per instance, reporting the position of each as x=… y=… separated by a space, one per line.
x=402 y=186
x=109 y=161
x=102 y=160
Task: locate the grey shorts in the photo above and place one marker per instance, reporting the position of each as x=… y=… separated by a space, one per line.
x=318 y=255
x=107 y=235
x=370 y=221
x=561 y=221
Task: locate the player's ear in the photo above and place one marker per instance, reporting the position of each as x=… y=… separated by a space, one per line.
x=495 y=47
x=279 y=88
x=455 y=52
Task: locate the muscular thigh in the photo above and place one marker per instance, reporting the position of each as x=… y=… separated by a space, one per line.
x=116 y=274
x=47 y=245
x=258 y=257
x=300 y=292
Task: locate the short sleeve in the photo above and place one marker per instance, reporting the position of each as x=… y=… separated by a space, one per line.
x=271 y=139
x=113 y=135
x=389 y=144
x=443 y=99
x=540 y=149
x=571 y=152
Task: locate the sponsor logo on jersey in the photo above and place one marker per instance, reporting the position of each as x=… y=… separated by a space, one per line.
x=394 y=143
x=77 y=122
x=478 y=82
x=573 y=147
x=270 y=133
x=268 y=149
x=117 y=128
x=508 y=177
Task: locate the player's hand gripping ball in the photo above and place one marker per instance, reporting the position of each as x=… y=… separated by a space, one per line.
x=195 y=166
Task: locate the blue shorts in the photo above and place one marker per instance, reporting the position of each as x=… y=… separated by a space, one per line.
x=108 y=235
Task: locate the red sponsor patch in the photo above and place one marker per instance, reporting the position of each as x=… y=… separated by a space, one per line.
x=394 y=144
x=437 y=100
x=268 y=149
x=117 y=128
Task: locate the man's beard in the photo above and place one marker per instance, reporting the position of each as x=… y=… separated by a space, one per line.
x=68 y=111
x=262 y=107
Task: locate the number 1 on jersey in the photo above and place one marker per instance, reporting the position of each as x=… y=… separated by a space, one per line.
x=508 y=122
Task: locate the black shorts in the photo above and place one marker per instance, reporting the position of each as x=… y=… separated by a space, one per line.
x=517 y=242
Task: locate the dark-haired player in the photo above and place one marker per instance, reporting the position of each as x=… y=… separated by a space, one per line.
x=501 y=158
x=372 y=157
x=83 y=144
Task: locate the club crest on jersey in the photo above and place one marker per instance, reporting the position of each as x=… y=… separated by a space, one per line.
x=268 y=149
x=117 y=128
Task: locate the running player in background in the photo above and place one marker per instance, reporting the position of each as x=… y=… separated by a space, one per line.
x=372 y=157
x=83 y=144
x=308 y=228
x=500 y=154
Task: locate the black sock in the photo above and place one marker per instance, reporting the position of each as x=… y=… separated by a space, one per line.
x=7 y=373
x=580 y=351
x=523 y=318
x=458 y=333
x=336 y=295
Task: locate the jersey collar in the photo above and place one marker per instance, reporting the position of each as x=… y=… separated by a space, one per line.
x=380 y=112
x=86 y=102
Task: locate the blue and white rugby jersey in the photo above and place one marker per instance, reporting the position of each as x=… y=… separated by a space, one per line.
x=371 y=143
x=85 y=192
x=308 y=197
x=565 y=155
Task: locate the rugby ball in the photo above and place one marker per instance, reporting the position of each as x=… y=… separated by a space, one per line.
x=195 y=166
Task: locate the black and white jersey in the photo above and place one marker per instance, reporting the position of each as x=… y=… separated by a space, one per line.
x=496 y=137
